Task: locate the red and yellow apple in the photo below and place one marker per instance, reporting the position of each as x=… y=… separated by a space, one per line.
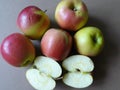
x=56 y=43
x=33 y=22
x=71 y=14
x=17 y=50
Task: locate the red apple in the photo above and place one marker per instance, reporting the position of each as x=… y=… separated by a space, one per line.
x=71 y=14
x=56 y=44
x=17 y=50
x=33 y=22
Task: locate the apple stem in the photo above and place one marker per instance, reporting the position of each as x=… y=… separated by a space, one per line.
x=45 y=11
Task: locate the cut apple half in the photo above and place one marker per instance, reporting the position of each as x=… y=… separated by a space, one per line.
x=40 y=81
x=48 y=66
x=78 y=63
x=79 y=69
x=43 y=73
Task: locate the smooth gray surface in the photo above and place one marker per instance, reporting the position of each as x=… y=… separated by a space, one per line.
x=104 y=14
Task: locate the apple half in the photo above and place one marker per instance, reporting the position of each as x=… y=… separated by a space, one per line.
x=79 y=69
x=43 y=73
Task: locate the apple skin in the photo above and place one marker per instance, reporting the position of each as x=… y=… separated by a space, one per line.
x=17 y=50
x=56 y=44
x=71 y=14
x=33 y=22
x=89 y=41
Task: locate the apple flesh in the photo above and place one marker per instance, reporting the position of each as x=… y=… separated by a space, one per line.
x=43 y=73
x=89 y=41
x=48 y=66
x=40 y=81
x=56 y=44
x=71 y=14
x=79 y=69
x=17 y=50
x=78 y=79
x=33 y=22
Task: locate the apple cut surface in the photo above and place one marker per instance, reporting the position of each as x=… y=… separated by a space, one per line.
x=78 y=79
x=48 y=66
x=79 y=69
x=40 y=81
x=78 y=62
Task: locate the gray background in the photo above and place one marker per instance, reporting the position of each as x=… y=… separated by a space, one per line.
x=104 y=14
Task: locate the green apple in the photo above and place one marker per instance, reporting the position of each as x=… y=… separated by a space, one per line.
x=43 y=74
x=79 y=69
x=71 y=14
x=89 y=41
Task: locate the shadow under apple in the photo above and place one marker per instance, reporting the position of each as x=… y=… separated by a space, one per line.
x=109 y=51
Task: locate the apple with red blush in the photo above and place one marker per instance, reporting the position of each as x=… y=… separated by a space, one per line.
x=56 y=43
x=17 y=50
x=33 y=22
x=71 y=14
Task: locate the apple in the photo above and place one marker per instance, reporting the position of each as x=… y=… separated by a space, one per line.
x=71 y=14
x=17 y=50
x=79 y=69
x=56 y=43
x=43 y=73
x=33 y=22
x=89 y=41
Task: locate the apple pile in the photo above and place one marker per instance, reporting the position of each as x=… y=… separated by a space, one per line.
x=56 y=45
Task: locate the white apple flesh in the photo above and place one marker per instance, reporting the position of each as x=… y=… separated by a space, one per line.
x=40 y=81
x=78 y=79
x=48 y=66
x=79 y=69
x=78 y=62
x=43 y=73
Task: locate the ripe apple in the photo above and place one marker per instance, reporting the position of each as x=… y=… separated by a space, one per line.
x=79 y=69
x=56 y=43
x=43 y=73
x=17 y=50
x=33 y=22
x=71 y=14
x=89 y=41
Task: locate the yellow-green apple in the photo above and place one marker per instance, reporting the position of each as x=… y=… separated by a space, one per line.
x=17 y=50
x=56 y=43
x=89 y=41
x=79 y=69
x=71 y=14
x=43 y=73
x=33 y=22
